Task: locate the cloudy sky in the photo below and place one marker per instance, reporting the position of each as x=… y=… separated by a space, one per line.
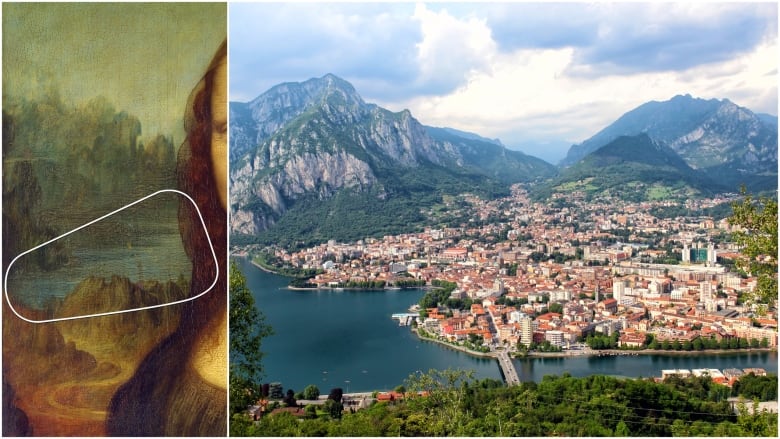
x=539 y=76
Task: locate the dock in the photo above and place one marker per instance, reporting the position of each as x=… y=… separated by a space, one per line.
x=508 y=369
x=405 y=319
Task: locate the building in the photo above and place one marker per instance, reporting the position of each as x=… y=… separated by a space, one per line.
x=618 y=289
x=698 y=254
x=396 y=267
x=732 y=375
x=554 y=337
x=682 y=373
x=526 y=331
x=455 y=254
x=609 y=305
x=632 y=340
x=757 y=371
x=715 y=374
x=560 y=296
x=705 y=291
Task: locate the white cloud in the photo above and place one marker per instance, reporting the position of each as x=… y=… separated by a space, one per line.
x=451 y=49
x=530 y=94
x=517 y=71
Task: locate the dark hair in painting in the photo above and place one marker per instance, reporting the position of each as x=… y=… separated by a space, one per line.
x=195 y=174
x=166 y=396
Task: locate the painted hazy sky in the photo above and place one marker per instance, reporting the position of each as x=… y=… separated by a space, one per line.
x=145 y=58
x=539 y=76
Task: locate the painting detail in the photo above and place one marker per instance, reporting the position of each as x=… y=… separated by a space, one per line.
x=99 y=111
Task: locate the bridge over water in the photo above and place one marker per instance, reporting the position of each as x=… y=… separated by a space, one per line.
x=508 y=369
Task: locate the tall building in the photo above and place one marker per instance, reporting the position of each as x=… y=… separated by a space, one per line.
x=711 y=255
x=526 y=331
x=705 y=291
x=697 y=253
x=618 y=289
x=686 y=253
x=498 y=286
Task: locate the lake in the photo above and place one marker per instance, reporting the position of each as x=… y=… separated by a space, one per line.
x=347 y=339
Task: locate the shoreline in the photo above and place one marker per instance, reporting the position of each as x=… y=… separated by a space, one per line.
x=491 y=354
x=271 y=271
x=346 y=288
x=595 y=353
x=532 y=355
x=631 y=353
x=267 y=270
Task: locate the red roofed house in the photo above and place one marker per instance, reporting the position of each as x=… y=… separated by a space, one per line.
x=608 y=305
x=455 y=253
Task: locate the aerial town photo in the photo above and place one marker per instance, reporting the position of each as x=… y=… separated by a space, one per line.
x=503 y=219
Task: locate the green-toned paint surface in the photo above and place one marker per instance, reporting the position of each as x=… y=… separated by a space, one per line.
x=143 y=57
x=94 y=97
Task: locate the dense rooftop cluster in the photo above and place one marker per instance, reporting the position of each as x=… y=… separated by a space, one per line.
x=605 y=266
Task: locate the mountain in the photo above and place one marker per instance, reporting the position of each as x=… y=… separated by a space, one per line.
x=549 y=150
x=635 y=168
x=768 y=119
x=130 y=335
x=466 y=135
x=491 y=156
x=727 y=142
x=316 y=146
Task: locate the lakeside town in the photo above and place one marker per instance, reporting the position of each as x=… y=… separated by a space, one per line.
x=569 y=278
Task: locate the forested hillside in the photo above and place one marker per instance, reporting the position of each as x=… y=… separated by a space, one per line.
x=456 y=405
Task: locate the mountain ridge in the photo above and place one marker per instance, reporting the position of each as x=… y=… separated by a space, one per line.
x=636 y=168
x=725 y=141
x=319 y=137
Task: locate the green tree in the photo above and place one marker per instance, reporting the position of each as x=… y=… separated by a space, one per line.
x=247 y=329
x=758 y=239
x=445 y=394
x=289 y=399
x=556 y=308
x=311 y=411
x=278 y=425
x=240 y=425
x=756 y=422
x=621 y=429
x=311 y=392
x=333 y=408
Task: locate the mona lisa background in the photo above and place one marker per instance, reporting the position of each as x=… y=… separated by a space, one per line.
x=94 y=99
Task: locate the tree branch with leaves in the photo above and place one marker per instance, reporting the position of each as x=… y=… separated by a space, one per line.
x=756 y=220
x=247 y=329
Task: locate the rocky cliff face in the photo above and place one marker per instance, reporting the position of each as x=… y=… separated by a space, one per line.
x=731 y=134
x=318 y=137
x=254 y=122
